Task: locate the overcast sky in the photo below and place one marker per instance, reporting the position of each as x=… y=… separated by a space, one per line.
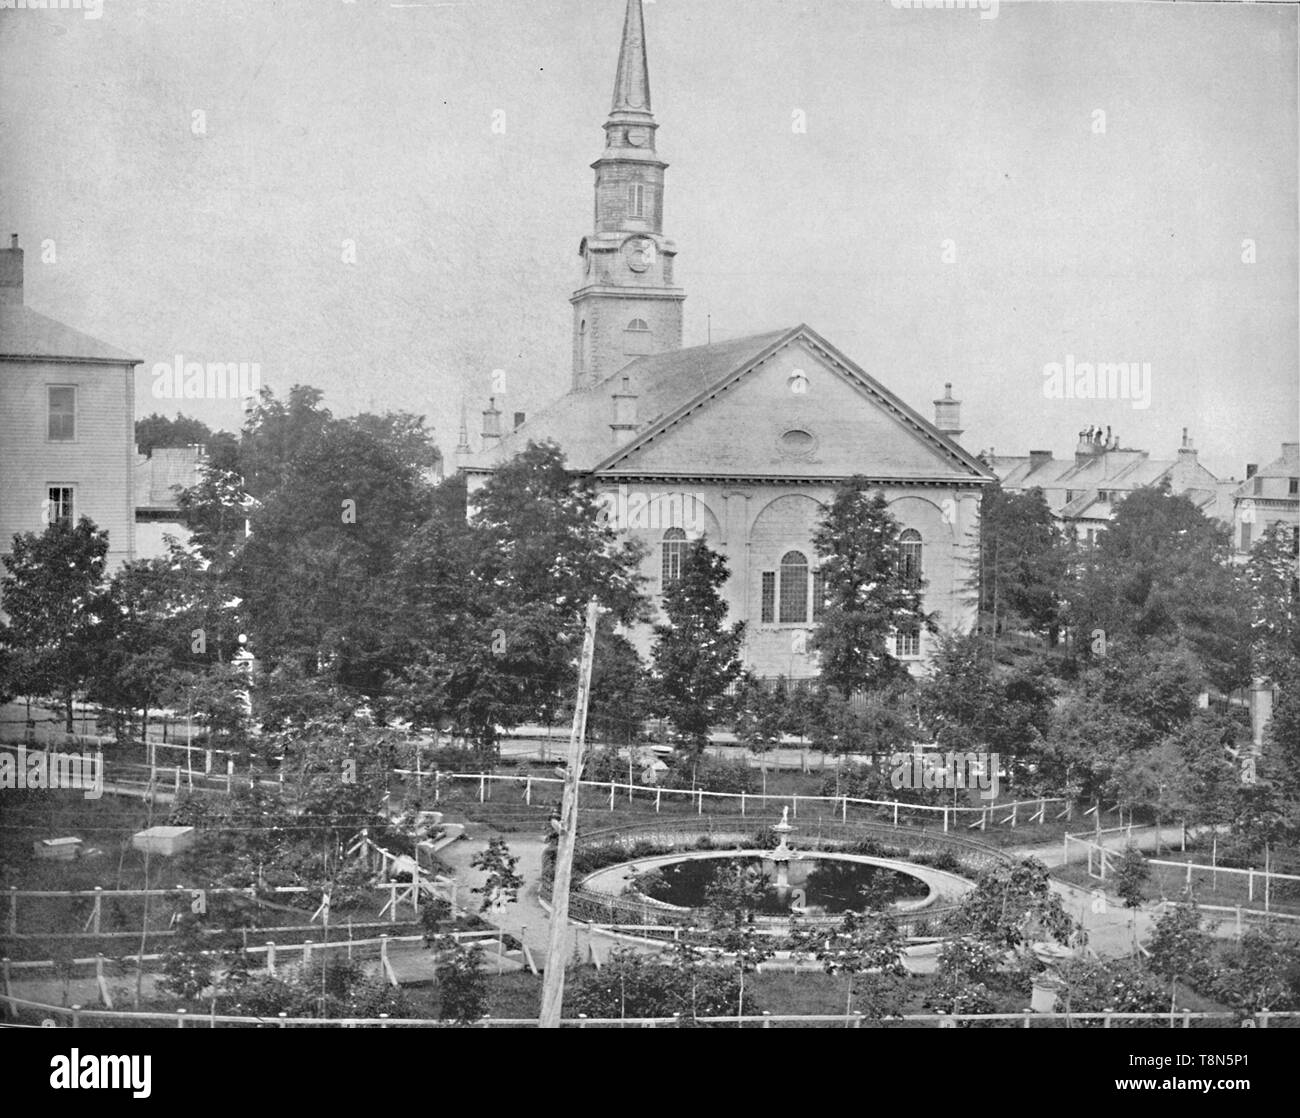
x=371 y=122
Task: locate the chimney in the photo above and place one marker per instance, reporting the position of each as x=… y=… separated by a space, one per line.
x=624 y=424
x=947 y=414
x=1089 y=445
x=1187 y=452
x=520 y=417
x=1251 y=469
x=1038 y=459
x=491 y=424
x=11 y=272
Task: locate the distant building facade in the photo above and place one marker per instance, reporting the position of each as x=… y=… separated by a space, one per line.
x=1269 y=495
x=1083 y=491
x=67 y=423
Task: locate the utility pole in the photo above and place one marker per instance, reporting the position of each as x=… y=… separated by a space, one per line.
x=556 y=956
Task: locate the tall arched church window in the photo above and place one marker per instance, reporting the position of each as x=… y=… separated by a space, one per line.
x=794 y=588
x=909 y=557
x=674 y=555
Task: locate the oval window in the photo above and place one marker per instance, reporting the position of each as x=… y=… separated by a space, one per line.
x=797 y=442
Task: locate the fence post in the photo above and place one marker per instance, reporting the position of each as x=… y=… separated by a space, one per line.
x=180 y=1018
x=700 y=809
x=13 y=910
x=230 y=771
x=945 y=821
x=767 y=1018
x=306 y=952
x=1065 y=850
x=1250 y=884
x=844 y=810
x=742 y=805
x=1015 y=807
x=611 y=795
x=658 y=793
x=76 y=1017
x=270 y=957
x=4 y=974
x=794 y=810
x=528 y=791
x=1239 y=921
x=1187 y=1018
x=207 y=762
x=176 y=785
x=283 y=1023
x=94 y=916
x=895 y=813
x=482 y=787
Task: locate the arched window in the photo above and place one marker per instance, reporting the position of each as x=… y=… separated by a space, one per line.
x=637 y=338
x=636 y=200
x=794 y=588
x=674 y=555
x=909 y=557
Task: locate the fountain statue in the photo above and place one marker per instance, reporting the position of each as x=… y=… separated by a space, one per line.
x=781 y=855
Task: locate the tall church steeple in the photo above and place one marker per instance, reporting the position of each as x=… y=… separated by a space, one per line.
x=626 y=306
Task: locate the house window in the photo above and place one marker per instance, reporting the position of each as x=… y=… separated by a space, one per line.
x=909 y=557
x=907 y=643
x=818 y=594
x=1090 y=536
x=1069 y=496
x=794 y=589
x=63 y=413
x=674 y=553
x=768 y=613
x=636 y=200
x=1293 y=485
x=58 y=505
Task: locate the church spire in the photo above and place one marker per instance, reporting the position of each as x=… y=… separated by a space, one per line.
x=632 y=81
x=627 y=305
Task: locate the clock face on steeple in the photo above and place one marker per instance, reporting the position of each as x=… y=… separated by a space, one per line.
x=638 y=137
x=640 y=253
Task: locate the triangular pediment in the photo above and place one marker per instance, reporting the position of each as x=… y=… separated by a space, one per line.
x=797 y=410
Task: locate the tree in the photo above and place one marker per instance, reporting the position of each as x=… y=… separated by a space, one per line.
x=154 y=431
x=860 y=944
x=870 y=592
x=462 y=986
x=1131 y=874
x=1161 y=576
x=1273 y=589
x=1180 y=948
x=1023 y=562
x=502 y=884
x=696 y=656
x=1010 y=904
x=732 y=898
x=631 y=985
x=187 y=966
x=54 y=594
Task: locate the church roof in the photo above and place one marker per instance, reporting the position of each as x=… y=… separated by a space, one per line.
x=25 y=334
x=669 y=386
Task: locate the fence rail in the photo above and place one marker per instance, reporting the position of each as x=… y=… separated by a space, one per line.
x=78 y=1017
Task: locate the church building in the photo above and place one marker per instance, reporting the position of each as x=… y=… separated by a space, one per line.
x=743 y=441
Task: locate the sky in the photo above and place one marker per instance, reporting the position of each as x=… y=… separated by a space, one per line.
x=944 y=197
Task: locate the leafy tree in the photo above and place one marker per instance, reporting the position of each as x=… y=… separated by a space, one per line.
x=502 y=884
x=1009 y=905
x=1131 y=874
x=1023 y=562
x=860 y=944
x=1261 y=971
x=620 y=694
x=155 y=430
x=462 y=986
x=869 y=595
x=54 y=593
x=1180 y=948
x=635 y=985
x=966 y=966
x=1116 y=985
x=1161 y=575
x=187 y=966
x=1273 y=591
x=696 y=656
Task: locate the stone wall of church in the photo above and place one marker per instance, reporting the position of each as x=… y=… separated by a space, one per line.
x=756 y=526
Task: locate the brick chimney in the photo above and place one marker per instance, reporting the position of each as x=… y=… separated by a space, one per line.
x=1038 y=459
x=11 y=272
x=520 y=418
x=947 y=414
x=1187 y=452
x=1252 y=468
